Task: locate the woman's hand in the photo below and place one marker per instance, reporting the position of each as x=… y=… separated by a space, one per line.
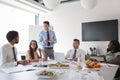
x=23 y=62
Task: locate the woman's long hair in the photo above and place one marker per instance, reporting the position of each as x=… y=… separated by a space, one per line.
x=31 y=50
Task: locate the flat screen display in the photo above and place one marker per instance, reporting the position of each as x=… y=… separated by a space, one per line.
x=100 y=30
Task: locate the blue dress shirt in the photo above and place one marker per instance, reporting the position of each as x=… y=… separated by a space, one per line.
x=43 y=37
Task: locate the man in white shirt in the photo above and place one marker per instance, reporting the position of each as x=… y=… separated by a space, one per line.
x=8 y=56
x=76 y=52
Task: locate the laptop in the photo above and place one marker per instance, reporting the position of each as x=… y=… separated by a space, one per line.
x=59 y=57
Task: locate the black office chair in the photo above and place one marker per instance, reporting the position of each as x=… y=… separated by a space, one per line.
x=117 y=75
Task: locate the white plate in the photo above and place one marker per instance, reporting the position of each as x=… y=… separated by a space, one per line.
x=45 y=77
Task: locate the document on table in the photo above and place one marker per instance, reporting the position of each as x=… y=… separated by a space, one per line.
x=17 y=69
x=94 y=76
x=82 y=75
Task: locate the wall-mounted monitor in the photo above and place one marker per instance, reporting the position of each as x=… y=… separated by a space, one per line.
x=100 y=30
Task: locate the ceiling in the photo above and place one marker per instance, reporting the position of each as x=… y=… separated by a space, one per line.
x=36 y=6
x=61 y=1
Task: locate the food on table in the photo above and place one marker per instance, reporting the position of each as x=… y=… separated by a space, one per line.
x=92 y=64
x=79 y=67
x=88 y=61
x=47 y=73
x=58 y=65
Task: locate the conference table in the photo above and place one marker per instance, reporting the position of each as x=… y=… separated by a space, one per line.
x=28 y=72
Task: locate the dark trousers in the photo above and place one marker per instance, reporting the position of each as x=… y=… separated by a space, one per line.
x=48 y=52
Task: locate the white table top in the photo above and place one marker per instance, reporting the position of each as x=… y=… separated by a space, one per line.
x=61 y=74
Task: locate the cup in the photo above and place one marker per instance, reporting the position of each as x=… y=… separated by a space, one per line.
x=23 y=57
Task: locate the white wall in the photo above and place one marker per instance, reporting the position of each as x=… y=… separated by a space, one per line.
x=67 y=19
x=13 y=19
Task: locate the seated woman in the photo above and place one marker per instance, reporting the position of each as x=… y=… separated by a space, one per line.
x=32 y=53
x=113 y=54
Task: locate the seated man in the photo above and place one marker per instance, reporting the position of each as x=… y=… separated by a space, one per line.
x=76 y=52
x=8 y=51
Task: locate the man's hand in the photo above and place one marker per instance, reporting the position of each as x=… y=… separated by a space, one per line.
x=46 y=40
x=76 y=59
x=23 y=62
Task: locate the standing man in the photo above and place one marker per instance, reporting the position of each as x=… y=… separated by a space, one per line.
x=8 y=55
x=76 y=52
x=47 y=39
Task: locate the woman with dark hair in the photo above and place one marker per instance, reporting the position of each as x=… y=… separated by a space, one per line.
x=113 y=53
x=33 y=54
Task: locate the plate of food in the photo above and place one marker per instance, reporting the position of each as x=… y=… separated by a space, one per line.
x=92 y=64
x=58 y=65
x=46 y=74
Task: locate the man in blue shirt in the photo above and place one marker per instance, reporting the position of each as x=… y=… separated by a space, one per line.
x=47 y=39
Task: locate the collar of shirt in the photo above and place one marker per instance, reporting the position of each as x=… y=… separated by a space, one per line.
x=10 y=44
x=46 y=30
x=76 y=49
